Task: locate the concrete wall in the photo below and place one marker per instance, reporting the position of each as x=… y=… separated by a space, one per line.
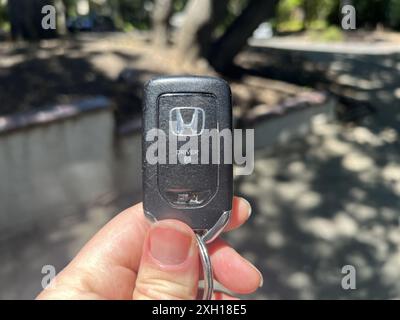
x=298 y=123
x=60 y=166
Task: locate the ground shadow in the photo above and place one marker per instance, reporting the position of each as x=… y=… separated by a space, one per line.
x=322 y=203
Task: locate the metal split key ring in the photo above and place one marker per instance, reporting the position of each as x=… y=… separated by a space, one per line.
x=207 y=269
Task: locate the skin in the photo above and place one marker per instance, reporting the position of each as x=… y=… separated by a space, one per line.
x=130 y=258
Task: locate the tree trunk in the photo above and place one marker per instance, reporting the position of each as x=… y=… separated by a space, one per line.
x=201 y=18
x=162 y=12
x=235 y=38
x=26 y=19
x=61 y=17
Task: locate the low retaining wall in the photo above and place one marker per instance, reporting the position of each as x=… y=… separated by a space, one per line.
x=360 y=75
x=53 y=162
x=290 y=119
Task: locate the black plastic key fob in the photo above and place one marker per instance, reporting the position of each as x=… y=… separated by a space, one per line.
x=184 y=179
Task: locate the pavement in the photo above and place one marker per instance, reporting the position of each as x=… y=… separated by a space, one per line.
x=350 y=47
x=320 y=203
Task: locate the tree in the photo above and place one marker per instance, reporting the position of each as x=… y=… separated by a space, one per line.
x=201 y=18
x=235 y=37
x=26 y=19
x=61 y=17
x=161 y=14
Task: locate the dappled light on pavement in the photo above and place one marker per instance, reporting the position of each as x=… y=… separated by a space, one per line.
x=321 y=203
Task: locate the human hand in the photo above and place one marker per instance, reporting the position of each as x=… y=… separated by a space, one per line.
x=130 y=258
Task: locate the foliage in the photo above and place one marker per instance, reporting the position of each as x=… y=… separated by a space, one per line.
x=373 y=12
x=3 y=16
x=370 y=13
x=135 y=13
x=394 y=13
x=330 y=34
x=295 y=15
x=317 y=10
x=291 y=15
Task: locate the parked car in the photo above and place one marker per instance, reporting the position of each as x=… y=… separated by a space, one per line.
x=88 y=23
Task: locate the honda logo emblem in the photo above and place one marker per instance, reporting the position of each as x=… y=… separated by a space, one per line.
x=187 y=121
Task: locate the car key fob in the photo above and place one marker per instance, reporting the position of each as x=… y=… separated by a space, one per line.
x=183 y=180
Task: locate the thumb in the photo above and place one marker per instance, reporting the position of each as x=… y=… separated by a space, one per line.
x=169 y=267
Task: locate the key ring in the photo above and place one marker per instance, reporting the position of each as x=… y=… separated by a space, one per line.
x=207 y=269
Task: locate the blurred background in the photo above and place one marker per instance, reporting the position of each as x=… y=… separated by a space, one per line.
x=323 y=100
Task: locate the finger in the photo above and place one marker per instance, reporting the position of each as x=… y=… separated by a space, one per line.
x=241 y=211
x=232 y=270
x=107 y=264
x=169 y=267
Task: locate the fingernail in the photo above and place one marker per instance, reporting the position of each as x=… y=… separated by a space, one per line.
x=259 y=272
x=248 y=207
x=169 y=246
x=261 y=279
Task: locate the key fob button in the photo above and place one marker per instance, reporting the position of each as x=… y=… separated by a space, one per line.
x=184 y=117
